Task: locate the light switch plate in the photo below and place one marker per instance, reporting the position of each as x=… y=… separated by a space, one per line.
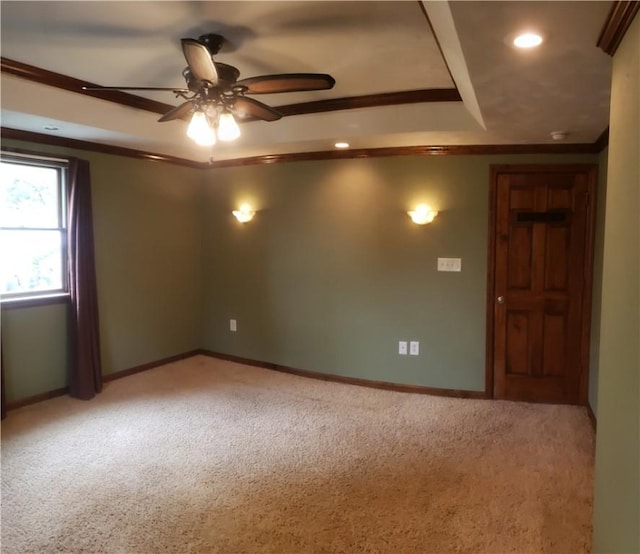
x=233 y=326
x=414 y=348
x=449 y=264
x=402 y=348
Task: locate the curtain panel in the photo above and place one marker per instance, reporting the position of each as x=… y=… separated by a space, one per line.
x=85 y=378
x=3 y=413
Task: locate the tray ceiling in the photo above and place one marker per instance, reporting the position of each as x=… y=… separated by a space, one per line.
x=370 y=48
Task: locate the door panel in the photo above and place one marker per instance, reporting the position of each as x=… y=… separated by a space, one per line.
x=519 y=251
x=540 y=255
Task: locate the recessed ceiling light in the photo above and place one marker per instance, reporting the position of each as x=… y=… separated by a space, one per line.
x=527 y=40
x=341 y=145
x=51 y=128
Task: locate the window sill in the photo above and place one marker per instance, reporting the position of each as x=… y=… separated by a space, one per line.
x=32 y=301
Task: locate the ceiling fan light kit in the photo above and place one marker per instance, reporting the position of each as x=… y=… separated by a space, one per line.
x=214 y=98
x=200 y=129
x=228 y=129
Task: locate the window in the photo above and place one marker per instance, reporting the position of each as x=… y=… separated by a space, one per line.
x=32 y=226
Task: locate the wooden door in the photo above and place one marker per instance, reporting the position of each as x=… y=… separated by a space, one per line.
x=540 y=282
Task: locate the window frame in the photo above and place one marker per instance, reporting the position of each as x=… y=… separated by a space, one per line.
x=61 y=165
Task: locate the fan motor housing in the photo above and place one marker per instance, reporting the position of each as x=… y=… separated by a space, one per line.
x=212 y=41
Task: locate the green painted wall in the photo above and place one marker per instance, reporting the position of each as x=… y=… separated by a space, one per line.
x=34 y=350
x=329 y=276
x=148 y=263
x=148 y=256
x=617 y=482
x=596 y=300
x=331 y=273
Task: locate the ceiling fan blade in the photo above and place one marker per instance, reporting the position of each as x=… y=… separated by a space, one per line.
x=178 y=112
x=176 y=90
x=199 y=61
x=247 y=108
x=287 y=82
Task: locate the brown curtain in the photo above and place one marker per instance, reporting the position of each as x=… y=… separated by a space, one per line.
x=86 y=376
x=4 y=405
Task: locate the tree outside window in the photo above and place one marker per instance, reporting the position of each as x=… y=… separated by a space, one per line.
x=32 y=226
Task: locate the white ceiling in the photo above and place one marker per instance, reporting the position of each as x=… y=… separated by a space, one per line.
x=509 y=96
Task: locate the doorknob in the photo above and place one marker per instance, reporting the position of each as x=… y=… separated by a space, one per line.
x=500 y=299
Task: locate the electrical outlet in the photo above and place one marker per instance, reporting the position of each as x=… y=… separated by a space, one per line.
x=449 y=264
x=402 y=348
x=414 y=348
x=233 y=326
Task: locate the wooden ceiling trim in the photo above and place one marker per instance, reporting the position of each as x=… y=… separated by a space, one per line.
x=64 y=82
x=52 y=140
x=371 y=101
x=50 y=78
x=448 y=150
x=618 y=21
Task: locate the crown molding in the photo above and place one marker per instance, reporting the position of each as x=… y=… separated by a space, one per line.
x=71 y=84
x=615 y=27
x=64 y=82
x=446 y=150
x=371 y=101
x=53 y=140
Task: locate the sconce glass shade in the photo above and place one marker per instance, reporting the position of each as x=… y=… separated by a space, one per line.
x=422 y=215
x=200 y=131
x=227 y=127
x=244 y=214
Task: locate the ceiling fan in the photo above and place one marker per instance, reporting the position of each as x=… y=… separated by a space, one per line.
x=214 y=95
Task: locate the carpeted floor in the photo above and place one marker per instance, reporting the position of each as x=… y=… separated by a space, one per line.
x=204 y=455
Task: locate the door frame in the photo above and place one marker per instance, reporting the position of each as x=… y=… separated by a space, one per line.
x=585 y=343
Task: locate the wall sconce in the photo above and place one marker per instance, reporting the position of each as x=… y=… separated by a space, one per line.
x=244 y=214
x=422 y=214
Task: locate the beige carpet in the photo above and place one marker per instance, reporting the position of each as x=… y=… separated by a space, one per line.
x=209 y=456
